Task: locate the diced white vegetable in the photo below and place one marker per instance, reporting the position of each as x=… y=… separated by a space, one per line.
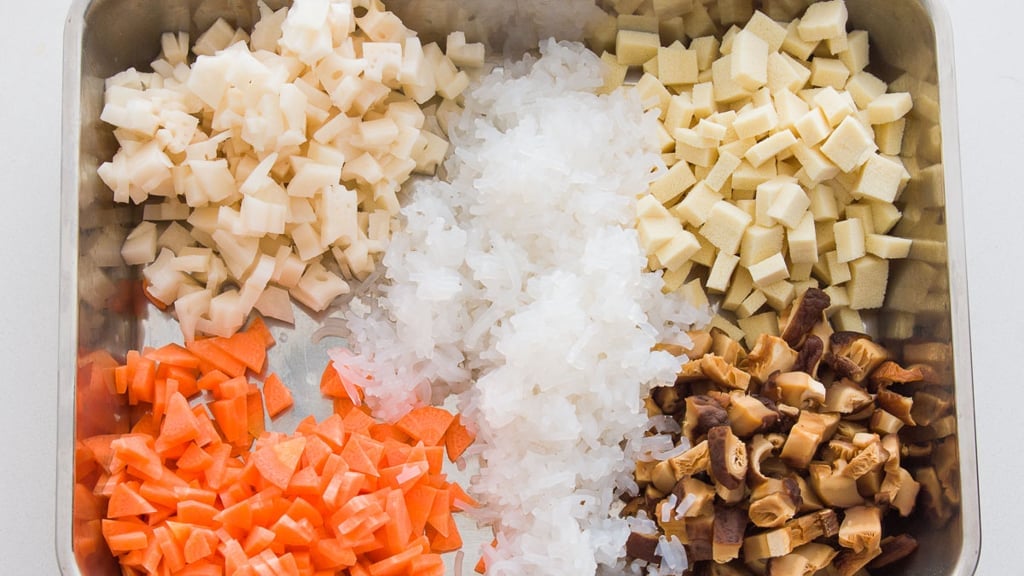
x=140 y=246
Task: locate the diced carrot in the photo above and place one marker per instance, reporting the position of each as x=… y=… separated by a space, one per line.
x=200 y=544
x=187 y=384
x=440 y=512
x=399 y=529
x=141 y=387
x=197 y=513
x=126 y=542
x=316 y=452
x=202 y=568
x=448 y=542
x=459 y=500
x=301 y=508
x=426 y=423
x=427 y=565
x=174 y=355
x=277 y=396
x=247 y=347
x=207 y=431
x=278 y=463
x=258 y=540
x=174 y=555
x=238 y=515
x=126 y=501
x=231 y=417
x=342 y=406
x=343 y=486
x=228 y=389
x=258 y=326
x=136 y=450
x=330 y=554
x=121 y=379
x=255 y=417
x=394 y=565
x=358 y=422
x=330 y=383
x=332 y=431
x=147 y=425
x=179 y=426
x=419 y=501
x=210 y=380
x=209 y=352
x=305 y=482
x=292 y=532
x=382 y=432
x=357 y=459
x=220 y=453
x=435 y=458
x=194 y=459
x=234 y=556
x=457 y=438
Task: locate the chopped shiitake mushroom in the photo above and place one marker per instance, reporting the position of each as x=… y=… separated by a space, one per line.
x=802 y=449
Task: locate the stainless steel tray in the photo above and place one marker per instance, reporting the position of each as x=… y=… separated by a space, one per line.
x=99 y=310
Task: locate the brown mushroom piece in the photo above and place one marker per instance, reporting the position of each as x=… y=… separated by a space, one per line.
x=774 y=503
x=759 y=449
x=870 y=458
x=691 y=371
x=937 y=355
x=818 y=555
x=846 y=397
x=663 y=476
x=854 y=355
x=642 y=472
x=930 y=404
x=796 y=532
x=806 y=435
x=788 y=565
x=700 y=534
x=748 y=415
x=693 y=461
x=808 y=358
x=799 y=389
x=834 y=487
x=883 y=422
x=899 y=490
x=703 y=497
x=702 y=414
x=850 y=563
x=730 y=569
x=724 y=374
x=937 y=507
x=700 y=343
x=806 y=312
x=947 y=468
x=727 y=457
x=730 y=523
x=898 y=405
x=889 y=373
x=894 y=549
x=642 y=546
x=669 y=399
x=861 y=529
x=770 y=354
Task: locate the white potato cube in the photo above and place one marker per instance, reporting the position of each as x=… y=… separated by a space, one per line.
x=796 y=46
x=823 y=203
x=696 y=205
x=770 y=147
x=847 y=320
x=680 y=113
x=880 y=179
x=756 y=121
x=673 y=184
x=836 y=107
x=739 y=289
x=780 y=294
x=725 y=226
x=751 y=304
x=813 y=127
x=889 y=107
x=677 y=65
x=823 y=20
x=769 y=271
x=885 y=216
x=722 y=171
x=759 y=243
x=790 y=108
x=653 y=94
x=789 y=205
x=721 y=272
x=707 y=49
x=748 y=178
x=754 y=326
x=864 y=87
x=727 y=90
x=633 y=48
x=803 y=241
x=773 y=33
x=678 y=250
x=889 y=137
x=888 y=247
x=867 y=285
x=749 y=60
x=856 y=57
x=850 y=239
x=829 y=72
x=850 y=145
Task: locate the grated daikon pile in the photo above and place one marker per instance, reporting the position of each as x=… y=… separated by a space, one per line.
x=519 y=286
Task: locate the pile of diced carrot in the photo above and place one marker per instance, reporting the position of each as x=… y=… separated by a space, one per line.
x=205 y=490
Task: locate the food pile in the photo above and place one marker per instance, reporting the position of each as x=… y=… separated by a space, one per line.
x=641 y=301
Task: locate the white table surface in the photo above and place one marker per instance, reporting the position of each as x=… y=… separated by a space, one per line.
x=991 y=91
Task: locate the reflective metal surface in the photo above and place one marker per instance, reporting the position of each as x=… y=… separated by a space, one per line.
x=101 y=307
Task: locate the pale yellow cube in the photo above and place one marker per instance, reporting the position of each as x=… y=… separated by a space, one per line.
x=728 y=38
x=796 y=46
x=838 y=298
x=802 y=272
x=837 y=44
x=706 y=255
x=847 y=320
x=889 y=107
x=864 y=87
x=838 y=272
x=739 y=290
x=711 y=130
x=888 y=247
x=677 y=65
x=856 y=57
x=735 y=11
x=737 y=147
x=759 y=243
x=699 y=22
x=769 y=271
x=690 y=137
x=693 y=293
x=613 y=73
x=780 y=295
x=823 y=203
x=803 y=241
x=762 y=97
x=816 y=167
x=756 y=122
x=789 y=206
x=703 y=97
x=673 y=184
x=823 y=20
x=680 y=113
x=649 y=207
x=748 y=178
x=863 y=212
x=651 y=67
x=731 y=330
x=704 y=157
x=696 y=205
x=722 y=170
x=726 y=89
x=770 y=147
x=655 y=233
x=749 y=60
x=638 y=23
x=850 y=145
x=813 y=127
x=850 y=239
x=751 y=304
x=721 y=272
x=707 y=49
x=754 y=326
x=653 y=94
x=725 y=225
x=671 y=8
x=790 y=108
x=666 y=143
x=885 y=216
x=826 y=236
x=678 y=250
x=836 y=107
x=672 y=29
x=889 y=137
x=745 y=204
x=829 y=72
x=880 y=179
x=773 y=33
x=633 y=48
x=867 y=285
x=673 y=280
x=782 y=75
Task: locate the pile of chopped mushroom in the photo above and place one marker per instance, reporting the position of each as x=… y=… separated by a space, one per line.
x=800 y=449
